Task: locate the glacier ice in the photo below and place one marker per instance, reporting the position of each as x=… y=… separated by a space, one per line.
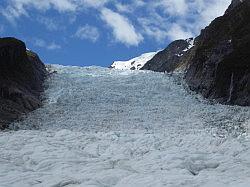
x=105 y=127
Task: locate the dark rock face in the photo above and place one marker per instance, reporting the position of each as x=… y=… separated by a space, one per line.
x=21 y=80
x=171 y=58
x=233 y=4
x=220 y=66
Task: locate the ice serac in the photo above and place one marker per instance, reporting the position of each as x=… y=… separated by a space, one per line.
x=172 y=58
x=133 y=64
x=220 y=66
x=21 y=80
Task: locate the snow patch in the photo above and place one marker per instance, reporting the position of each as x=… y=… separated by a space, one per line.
x=135 y=63
x=190 y=42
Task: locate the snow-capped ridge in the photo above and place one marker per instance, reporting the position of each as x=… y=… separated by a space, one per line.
x=191 y=44
x=138 y=63
x=135 y=63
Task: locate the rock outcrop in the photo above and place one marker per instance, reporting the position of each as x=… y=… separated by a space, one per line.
x=173 y=57
x=22 y=75
x=233 y=4
x=220 y=66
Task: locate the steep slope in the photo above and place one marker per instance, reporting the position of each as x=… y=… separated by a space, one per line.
x=233 y=4
x=220 y=66
x=172 y=58
x=135 y=63
x=21 y=80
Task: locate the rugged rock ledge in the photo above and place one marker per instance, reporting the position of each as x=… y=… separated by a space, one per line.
x=220 y=66
x=22 y=75
x=172 y=58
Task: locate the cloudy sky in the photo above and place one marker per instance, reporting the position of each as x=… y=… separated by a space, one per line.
x=97 y=32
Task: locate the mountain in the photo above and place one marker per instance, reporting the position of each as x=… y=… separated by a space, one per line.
x=217 y=62
x=171 y=58
x=22 y=75
x=220 y=66
x=135 y=63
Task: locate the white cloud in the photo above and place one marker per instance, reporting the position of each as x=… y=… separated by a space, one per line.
x=18 y=8
x=95 y=3
x=213 y=9
x=87 y=32
x=160 y=31
x=177 y=32
x=153 y=29
x=168 y=19
x=40 y=43
x=173 y=7
x=123 y=8
x=47 y=45
x=123 y=30
x=131 y=21
x=53 y=46
x=49 y=23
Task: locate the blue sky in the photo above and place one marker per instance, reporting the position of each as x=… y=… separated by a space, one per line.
x=98 y=32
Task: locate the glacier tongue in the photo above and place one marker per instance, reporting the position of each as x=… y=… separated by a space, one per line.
x=106 y=127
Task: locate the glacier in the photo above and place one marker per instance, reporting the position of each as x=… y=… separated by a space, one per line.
x=103 y=127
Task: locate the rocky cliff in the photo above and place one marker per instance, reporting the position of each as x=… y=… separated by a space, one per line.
x=220 y=66
x=172 y=58
x=22 y=75
x=233 y=4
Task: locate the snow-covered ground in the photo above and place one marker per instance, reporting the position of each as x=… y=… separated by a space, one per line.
x=135 y=63
x=191 y=44
x=104 y=127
